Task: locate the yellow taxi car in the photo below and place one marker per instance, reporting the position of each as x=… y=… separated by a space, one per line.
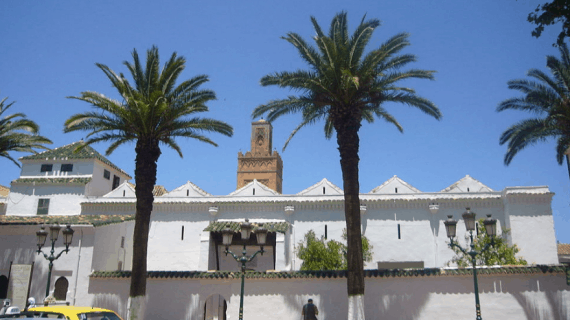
x=73 y=313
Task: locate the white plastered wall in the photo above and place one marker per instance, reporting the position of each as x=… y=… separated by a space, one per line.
x=100 y=186
x=107 y=252
x=64 y=199
x=545 y=296
x=532 y=228
x=18 y=245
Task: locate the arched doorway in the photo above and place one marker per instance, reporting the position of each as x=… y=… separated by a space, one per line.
x=61 y=285
x=3 y=287
x=215 y=308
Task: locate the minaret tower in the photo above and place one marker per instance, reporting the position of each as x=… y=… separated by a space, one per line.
x=261 y=163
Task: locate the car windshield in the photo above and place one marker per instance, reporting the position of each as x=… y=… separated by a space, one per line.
x=49 y=315
x=98 y=316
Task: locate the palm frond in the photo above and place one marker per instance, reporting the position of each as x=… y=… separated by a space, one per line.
x=18 y=134
x=342 y=83
x=524 y=133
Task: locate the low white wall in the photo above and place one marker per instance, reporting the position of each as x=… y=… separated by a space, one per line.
x=530 y=296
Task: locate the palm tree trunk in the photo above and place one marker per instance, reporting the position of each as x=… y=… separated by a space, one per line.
x=348 y=145
x=568 y=162
x=147 y=153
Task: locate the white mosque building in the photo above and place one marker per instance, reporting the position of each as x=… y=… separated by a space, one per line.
x=190 y=277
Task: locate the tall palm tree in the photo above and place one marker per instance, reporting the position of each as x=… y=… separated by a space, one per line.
x=344 y=86
x=152 y=112
x=548 y=98
x=18 y=133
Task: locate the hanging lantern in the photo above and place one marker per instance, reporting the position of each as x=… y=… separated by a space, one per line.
x=450 y=226
x=54 y=232
x=246 y=228
x=261 y=234
x=41 y=237
x=67 y=235
x=469 y=219
x=490 y=226
x=227 y=235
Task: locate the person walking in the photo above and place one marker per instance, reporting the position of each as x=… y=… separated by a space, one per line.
x=310 y=311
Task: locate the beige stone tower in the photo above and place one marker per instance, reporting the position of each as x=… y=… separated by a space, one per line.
x=261 y=163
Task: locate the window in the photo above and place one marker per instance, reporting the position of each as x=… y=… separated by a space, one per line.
x=60 y=292
x=107 y=174
x=122 y=242
x=43 y=206
x=46 y=167
x=66 y=167
x=399 y=233
x=116 y=181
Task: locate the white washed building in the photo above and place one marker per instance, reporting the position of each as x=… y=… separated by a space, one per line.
x=191 y=278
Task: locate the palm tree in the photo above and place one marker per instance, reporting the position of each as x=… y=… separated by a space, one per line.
x=344 y=86
x=18 y=133
x=153 y=112
x=548 y=98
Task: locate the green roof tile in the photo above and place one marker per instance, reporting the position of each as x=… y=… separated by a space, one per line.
x=53 y=180
x=68 y=151
x=94 y=220
x=218 y=226
x=338 y=273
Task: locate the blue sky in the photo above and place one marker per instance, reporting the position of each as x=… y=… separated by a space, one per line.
x=49 y=50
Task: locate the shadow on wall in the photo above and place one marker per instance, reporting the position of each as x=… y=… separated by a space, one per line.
x=329 y=296
x=110 y=294
x=540 y=296
x=398 y=298
x=540 y=299
x=110 y=301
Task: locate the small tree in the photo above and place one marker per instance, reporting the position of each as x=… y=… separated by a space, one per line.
x=500 y=253
x=320 y=254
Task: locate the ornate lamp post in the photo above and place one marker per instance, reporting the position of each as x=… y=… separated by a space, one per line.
x=490 y=228
x=53 y=235
x=246 y=228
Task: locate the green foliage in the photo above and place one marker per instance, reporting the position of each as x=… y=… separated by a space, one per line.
x=320 y=254
x=18 y=133
x=344 y=81
x=155 y=109
x=500 y=253
x=547 y=100
x=557 y=11
x=344 y=84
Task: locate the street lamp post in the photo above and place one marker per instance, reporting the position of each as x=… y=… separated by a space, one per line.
x=490 y=228
x=227 y=235
x=53 y=235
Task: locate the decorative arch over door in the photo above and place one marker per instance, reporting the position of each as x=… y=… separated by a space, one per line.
x=215 y=308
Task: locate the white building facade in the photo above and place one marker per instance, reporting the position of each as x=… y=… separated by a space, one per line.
x=192 y=278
